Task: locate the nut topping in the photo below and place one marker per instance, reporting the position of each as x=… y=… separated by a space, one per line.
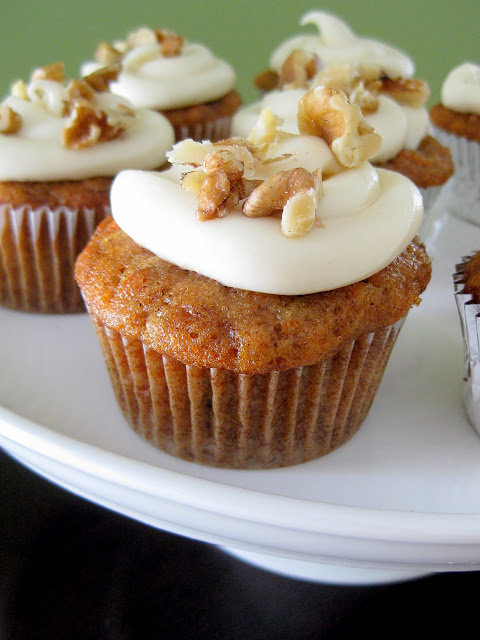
x=10 y=121
x=411 y=92
x=327 y=113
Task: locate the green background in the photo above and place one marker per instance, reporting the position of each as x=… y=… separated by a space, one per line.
x=438 y=34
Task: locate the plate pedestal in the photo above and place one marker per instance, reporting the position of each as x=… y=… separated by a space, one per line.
x=327 y=573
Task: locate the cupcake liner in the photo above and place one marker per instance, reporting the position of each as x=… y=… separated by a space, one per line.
x=214 y=130
x=38 y=249
x=221 y=418
x=469 y=312
x=430 y=197
x=461 y=195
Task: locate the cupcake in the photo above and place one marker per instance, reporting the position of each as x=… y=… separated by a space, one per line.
x=183 y=80
x=376 y=77
x=247 y=299
x=60 y=146
x=467 y=297
x=456 y=121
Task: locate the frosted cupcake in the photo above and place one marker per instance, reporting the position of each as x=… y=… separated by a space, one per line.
x=467 y=297
x=250 y=296
x=183 y=80
x=61 y=143
x=457 y=125
x=377 y=77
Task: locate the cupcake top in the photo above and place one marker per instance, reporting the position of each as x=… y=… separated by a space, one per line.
x=54 y=130
x=461 y=89
x=394 y=108
x=336 y=43
x=276 y=213
x=161 y=70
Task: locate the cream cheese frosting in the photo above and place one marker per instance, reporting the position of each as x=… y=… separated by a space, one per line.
x=150 y=80
x=366 y=218
x=461 y=88
x=400 y=126
x=336 y=43
x=36 y=153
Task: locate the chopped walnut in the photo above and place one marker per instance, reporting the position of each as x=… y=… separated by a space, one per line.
x=265 y=130
x=273 y=194
x=100 y=80
x=79 y=89
x=360 y=82
x=10 y=121
x=299 y=67
x=107 y=55
x=213 y=195
x=327 y=113
x=19 y=90
x=53 y=71
x=87 y=126
x=267 y=80
x=411 y=92
x=171 y=42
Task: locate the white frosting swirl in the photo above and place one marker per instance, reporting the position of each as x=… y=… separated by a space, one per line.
x=36 y=152
x=153 y=81
x=369 y=216
x=400 y=126
x=461 y=88
x=336 y=43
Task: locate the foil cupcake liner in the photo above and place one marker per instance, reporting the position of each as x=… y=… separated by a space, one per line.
x=38 y=249
x=247 y=421
x=469 y=312
x=214 y=130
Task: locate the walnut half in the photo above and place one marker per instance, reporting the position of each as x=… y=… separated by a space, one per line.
x=327 y=113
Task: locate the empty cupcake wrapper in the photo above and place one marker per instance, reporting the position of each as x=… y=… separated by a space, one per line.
x=469 y=313
x=38 y=249
x=221 y=418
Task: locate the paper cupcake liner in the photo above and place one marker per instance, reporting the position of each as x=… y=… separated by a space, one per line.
x=38 y=249
x=430 y=197
x=469 y=312
x=221 y=418
x=213 y=130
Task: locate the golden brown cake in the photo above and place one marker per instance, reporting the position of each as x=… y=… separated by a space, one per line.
x=60 y=146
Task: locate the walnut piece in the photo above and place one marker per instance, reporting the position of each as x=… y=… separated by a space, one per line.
x=53 y=71
x=360 y=82
x=273 y=194
x=19 y=90
x=171 y=43
x=267 y=80
x=10 y=121
x=327 y=113
x=410 y=92
x=107 y=55
x=100 y=80
x=299 y=67
x=87 y=126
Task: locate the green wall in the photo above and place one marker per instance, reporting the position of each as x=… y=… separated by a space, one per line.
x=438 y=34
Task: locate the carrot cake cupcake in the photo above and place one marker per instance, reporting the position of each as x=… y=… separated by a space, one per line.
x=61 y=143
x=456 y=121
x=183 y=80
x=375 y=76
x=248 y=298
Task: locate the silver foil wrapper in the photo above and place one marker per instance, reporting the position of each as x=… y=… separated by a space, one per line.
x=469 y=312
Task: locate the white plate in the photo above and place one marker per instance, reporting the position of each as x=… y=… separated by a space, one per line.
x=401 y=498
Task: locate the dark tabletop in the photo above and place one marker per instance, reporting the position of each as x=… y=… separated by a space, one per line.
x=72 y=569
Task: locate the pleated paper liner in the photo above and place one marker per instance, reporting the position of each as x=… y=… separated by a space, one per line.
x=469 y=312
x=246 y=421
x=38 y=249
x=461 y=194
x=214 y=130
